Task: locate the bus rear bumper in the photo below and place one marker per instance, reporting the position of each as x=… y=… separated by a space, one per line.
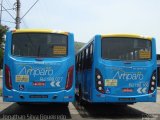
x=19 y=96
x=104 y=98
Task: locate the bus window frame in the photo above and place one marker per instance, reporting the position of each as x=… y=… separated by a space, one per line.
x=129 y=60
x=67 y=45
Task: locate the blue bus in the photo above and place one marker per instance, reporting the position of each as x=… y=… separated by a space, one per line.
x=39 y=66
x=118 y=68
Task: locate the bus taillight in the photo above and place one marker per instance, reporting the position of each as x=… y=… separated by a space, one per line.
x=69 y=78
x=8 y=81
x=99 y=81
x=153 y=83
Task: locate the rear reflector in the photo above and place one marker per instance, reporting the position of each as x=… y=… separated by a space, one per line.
x=127 y=90
x=38 y=83
x=8 y=81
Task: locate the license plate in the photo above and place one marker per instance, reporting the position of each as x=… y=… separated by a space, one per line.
x=38 y=83
x=127 y=99
x=38 y=96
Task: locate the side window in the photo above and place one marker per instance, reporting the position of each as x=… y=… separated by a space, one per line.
x=84 y=60
x=91 y=52
x=79 y=62
x=90 y=56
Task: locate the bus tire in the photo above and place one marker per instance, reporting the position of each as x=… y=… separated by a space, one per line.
x=21 y=103
x=123 y=105
x=80 y=94
x=66 y=104
x=76 y=97
x=80 y=100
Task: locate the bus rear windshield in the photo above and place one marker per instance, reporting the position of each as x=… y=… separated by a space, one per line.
x=116 y=48
x=39 y=45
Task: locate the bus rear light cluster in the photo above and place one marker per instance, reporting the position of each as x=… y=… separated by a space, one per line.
x=99 y=81
x=69 y=78
x=8 y=81
x=152 y=85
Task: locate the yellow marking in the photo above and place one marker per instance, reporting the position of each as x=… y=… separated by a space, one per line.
x=22 y=78
x=39 y=31
x=111 y=82
x=127 y=35
x=60 y=50
x=144 y=54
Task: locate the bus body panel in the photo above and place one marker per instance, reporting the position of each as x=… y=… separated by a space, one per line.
x=38 y=79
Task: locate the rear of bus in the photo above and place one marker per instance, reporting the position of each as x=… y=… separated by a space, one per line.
x=38 y=66
x=125 y=69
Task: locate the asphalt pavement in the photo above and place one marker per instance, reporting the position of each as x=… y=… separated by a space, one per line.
x=76 y=111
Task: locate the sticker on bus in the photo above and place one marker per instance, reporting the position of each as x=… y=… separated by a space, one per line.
x=111 y=82
x=108 y=90
x=21 y=87
x=59 y=50
x=144 y=54
x=22 y=78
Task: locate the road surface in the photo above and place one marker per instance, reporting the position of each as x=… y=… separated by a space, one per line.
x=139 y=111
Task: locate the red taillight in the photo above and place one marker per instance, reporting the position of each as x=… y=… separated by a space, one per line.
x=8 y=78
x=69 y=78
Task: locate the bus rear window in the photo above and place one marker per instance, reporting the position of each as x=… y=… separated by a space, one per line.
x=39 y=45
x=116 y=48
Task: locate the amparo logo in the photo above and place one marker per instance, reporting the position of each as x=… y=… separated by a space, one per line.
x=27 y=70
x=128 y=75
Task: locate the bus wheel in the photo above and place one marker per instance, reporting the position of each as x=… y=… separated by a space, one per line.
x=80 y=95
x=66 y=104
x=21 y=103
x=123 y=105
x=76 y=97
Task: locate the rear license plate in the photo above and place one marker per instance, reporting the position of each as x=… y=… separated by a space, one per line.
x=38 y=96
x=127 y=99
